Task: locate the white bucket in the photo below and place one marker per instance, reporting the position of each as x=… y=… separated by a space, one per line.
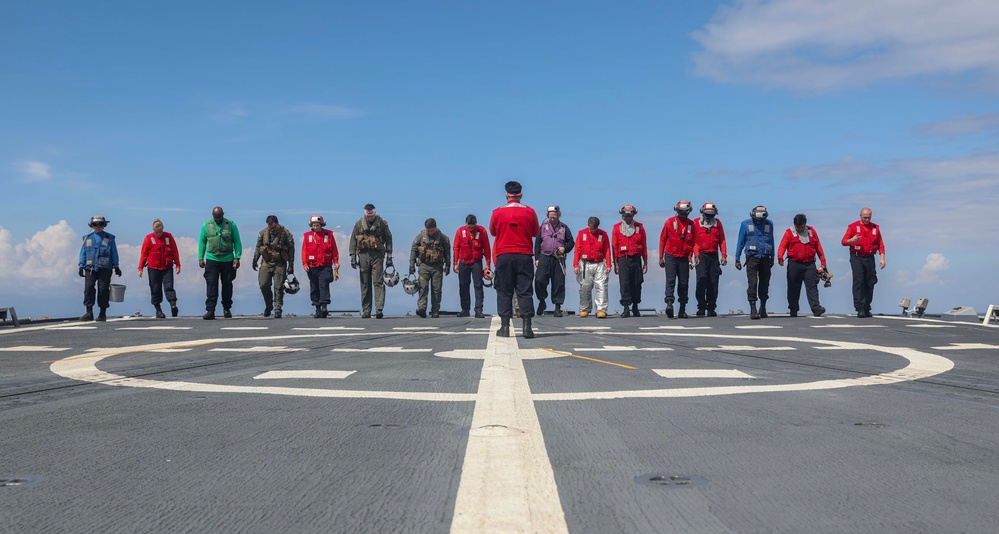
x=117 y=293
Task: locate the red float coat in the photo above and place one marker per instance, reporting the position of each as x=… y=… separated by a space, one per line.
x=159 y=253
x=471 y=246
x=677 y=238
x=801 y=252
x=590 y=247
x=636 y=245
x=514 y=226
x=319 y=249
x=709 y=242
x=870 y=239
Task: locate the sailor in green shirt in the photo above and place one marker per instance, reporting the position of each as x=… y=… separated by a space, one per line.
x=219 y=249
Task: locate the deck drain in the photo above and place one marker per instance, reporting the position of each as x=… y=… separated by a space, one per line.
x=665 y=480
x=871 y=425
x=385 y=426
x=20 y=482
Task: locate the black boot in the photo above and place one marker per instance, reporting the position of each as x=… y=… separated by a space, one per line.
x=318 y=314
x=626 y=312
x=504 y=330
x=753 y=313
x=528 y=332
x=326 y=312
x=634 y=310
x=103 y=316
x=763 y=309
x=558 y=310
x=682 y=314
x=89 y=316
x=669 y=310
x=209 y=315
x=159 y=312
x=173 y=308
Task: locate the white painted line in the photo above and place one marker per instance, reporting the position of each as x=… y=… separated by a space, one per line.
x=71 y=328
x=701 y=373
x=759 y=327
x=154 y=328
x=848 y=326
x=930 y=326
x=168 y=350
x=669 y=327
x=507 y=482
x=477 y=329
x=32 y=348
x=608 y=348
x=244 y=328
x=304 y=374
x=257 y=349
x=321 y=328
x=967 y=346
x=744 y=348
x=382 y=349
x=415 y=328
x=587 y=328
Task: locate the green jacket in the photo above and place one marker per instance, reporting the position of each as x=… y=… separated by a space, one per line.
x=219 y=242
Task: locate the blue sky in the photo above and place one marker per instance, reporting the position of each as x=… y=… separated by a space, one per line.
x=140 y=110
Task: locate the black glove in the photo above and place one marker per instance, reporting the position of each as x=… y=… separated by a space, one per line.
x=353 y=262
x=738 y=265
x=447 y=269
x=412 y=269
x=254 y=265
x=388 y=261
x=117 y=271
x=82 y=273
x=291 y=268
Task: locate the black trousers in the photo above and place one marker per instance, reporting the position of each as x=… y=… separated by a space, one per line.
x=708 y=272
x=161 y=282
x=629 y=274
x=514 y=273
x=865 y=275
x=798 y=273
x=320 y=279
x=677 y=276
x=758 y=272
x=550 y=269
x=470 y=274
x=215 y=272
x=97 y=286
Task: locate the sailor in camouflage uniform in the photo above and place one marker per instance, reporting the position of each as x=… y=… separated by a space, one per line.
x=431 y=250
x=371 y=251
x=276 y=247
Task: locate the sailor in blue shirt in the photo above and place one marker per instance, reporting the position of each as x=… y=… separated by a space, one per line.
x=756 y=235
x=98 y=258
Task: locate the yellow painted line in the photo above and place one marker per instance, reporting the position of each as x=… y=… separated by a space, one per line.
x=590 y=359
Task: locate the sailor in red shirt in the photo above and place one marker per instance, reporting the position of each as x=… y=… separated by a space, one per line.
x=631 y=258
x=709 y=241
x=514 y=226
x=676 y=244
x=471 y=246
x=321 y=261
x=592 y=264
x=864 y=239
x=801 y=244
x=159 y=253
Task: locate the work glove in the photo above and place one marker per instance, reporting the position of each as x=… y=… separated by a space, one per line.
x=336 y=273
x=412 y=269
x=388 y=261
x=738 y=265
x=291 y=268
x=447 y=269
x=117 y=271
x=353 y=262
x=254 y=265
x=82 y=273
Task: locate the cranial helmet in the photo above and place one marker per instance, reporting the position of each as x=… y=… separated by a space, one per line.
x=487 y=278
x=391 y=277
x=291 y=285
x=709 y=208
x=555 y=208
x=683 y=207
x=410 y=285
x=98 y=219
x=759 y=213
x=628 y=208
x=317 y=219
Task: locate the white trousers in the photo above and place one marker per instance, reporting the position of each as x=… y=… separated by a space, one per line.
x=592 y=277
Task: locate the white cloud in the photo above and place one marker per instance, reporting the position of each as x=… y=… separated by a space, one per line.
x=34 y=171
x=325 y=111
x=931 y=273
x=966 y=125
x=821 y=45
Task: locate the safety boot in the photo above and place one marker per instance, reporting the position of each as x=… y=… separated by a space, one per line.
x=712 y=313
x=159 y=312
x=227 y=313
x=209 y=315
x=103 y=316
x=480 y=315
x=763 y=309
x=818 y=311
x=541 y=308
x=669 y=310
x=634 y=310
x=682 y=314
x=601 y=314
x=753 y=312
x=379 y=314
x=318 y=314
x=173 y=308
x=558 y=311
x=89 y=316
x=583 y=313
x=504 y=329
x=267 y=311
x=528 y=332
x=422 y=313
x=277 y=314
x=626 y=312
